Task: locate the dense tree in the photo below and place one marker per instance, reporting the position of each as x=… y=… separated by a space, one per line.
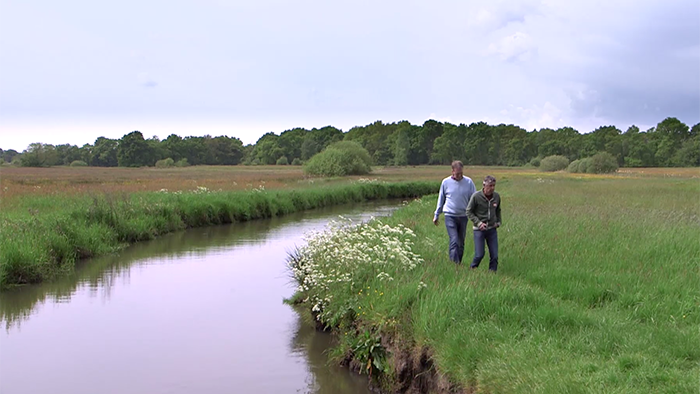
x=224 y=150
x=135 y=151
x=174 y=147
x=290 y=143
x=8 y=155
x=69 y=153
x=670 y=143
x=450 y=145
x=423 y=140
x=373 y=137
x=104 y=153
x=39 y=155
x=267 y=151
x=604 y=139
x=318 y=139
x=478 y=144
x=402 y=146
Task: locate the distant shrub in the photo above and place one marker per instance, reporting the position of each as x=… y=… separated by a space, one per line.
x=282 y=161
x=602 y=163
x=182 y=163
x=165 y=163
x=340 y=159
x=78 y=163
x=554 y=163
x=535 y=161
x=579 y=166
x=573 y=166
x=255 y=162
x=296 y=162
x=584 y=164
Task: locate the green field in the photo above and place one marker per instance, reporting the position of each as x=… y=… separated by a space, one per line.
x=598 y=290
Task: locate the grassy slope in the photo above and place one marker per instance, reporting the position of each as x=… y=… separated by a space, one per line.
x=597 y=291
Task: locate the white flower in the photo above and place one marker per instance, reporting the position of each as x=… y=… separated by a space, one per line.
x=384 y=276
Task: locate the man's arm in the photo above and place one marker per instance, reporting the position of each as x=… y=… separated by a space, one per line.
x=498 y=212
x=440 y=203
x=471 y=211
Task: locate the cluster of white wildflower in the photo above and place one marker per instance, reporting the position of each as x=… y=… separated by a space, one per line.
x=345 y=252
x=367 y=180
x=198 y=190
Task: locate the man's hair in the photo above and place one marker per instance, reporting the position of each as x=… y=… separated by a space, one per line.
x=457 y=164
x=489 y=180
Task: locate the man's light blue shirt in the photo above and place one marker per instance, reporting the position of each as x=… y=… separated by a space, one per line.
x=454 y=196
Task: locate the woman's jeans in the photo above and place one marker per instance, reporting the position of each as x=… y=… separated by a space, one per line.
x=457 y=231
x=491 y=238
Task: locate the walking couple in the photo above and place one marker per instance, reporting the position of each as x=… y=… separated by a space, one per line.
x=460 y=203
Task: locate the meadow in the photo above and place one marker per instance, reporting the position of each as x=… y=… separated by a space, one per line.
x=18 y=183
x=598 y=290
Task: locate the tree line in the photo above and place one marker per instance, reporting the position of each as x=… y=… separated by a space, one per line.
x=670 y=143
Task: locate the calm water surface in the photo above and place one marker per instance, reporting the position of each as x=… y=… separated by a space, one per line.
x=198 y=311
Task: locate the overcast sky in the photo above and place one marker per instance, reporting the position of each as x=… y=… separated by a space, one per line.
x=72 y=71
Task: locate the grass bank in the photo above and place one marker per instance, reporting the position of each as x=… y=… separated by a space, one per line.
x=597 y=291
x=44 y=236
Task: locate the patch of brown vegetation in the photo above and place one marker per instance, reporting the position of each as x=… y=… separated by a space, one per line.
x=16 y=182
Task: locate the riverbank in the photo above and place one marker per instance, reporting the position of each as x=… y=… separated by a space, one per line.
x=596 y=291
x=48 y=234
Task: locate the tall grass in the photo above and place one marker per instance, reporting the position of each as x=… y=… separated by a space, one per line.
x=597 y=291
x=48 y=234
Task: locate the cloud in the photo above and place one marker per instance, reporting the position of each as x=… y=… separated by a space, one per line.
x=497 y=14
x=515 y=47
x=533 y=117
x=146 y=81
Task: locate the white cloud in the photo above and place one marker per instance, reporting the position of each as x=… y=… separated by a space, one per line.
x=516 y=47
x=145 y=80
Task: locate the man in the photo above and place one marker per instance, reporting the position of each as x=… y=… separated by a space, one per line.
x=455 y=192
x=484 y=210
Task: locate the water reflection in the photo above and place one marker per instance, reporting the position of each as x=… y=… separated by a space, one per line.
x=324 y=376
x=193 y=311
x=100 y=274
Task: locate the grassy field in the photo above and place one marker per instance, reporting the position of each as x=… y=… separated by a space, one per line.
x=18 y=182
x=598 y=289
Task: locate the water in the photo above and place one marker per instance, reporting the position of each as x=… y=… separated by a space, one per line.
x=198 y=311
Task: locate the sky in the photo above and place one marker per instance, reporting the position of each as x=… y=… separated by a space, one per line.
x=72 y=71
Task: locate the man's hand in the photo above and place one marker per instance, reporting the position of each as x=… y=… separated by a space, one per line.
x=498 y=225
x=435 y=221
x=483 y=226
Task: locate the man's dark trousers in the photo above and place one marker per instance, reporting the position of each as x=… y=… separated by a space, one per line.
x=491 y=238
x=457 y=231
